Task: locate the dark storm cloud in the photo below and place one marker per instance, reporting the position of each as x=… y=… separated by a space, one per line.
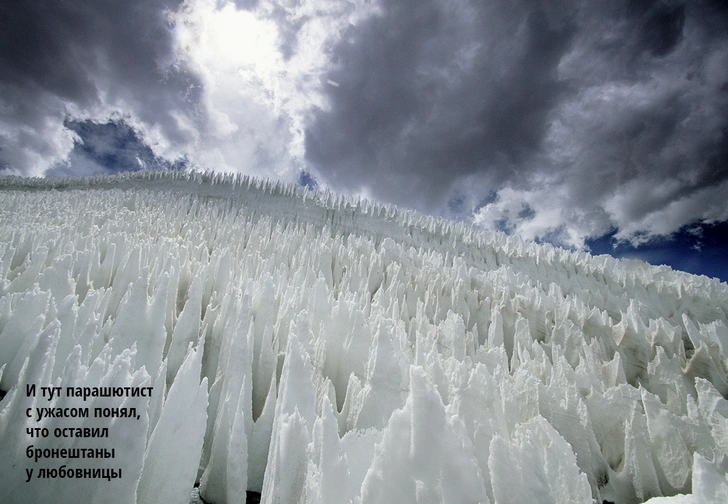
x=647 y=128
x=661 y=27
x=619 y=107
x=61 y=57
x=439 y=90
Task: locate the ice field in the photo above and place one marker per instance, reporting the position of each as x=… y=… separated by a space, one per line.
x=319 y=349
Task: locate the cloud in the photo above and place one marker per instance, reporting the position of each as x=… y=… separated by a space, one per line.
x=261 y=67
x=196 y=80
x=77 y=59
x=590 y=115
x=559 y=120
x=429 y=93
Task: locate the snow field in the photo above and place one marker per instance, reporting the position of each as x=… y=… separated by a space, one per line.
x=326 y=350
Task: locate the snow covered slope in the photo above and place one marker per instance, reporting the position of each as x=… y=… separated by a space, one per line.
x=323 y=350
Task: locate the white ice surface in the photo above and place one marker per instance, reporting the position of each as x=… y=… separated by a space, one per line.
x=320 y=349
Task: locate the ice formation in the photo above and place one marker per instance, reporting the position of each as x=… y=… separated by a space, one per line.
x=321 y=349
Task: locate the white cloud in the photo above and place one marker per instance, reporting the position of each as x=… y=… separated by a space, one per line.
x=544 y=213
x=258 y=86
x=32 y=136
x=706 y=205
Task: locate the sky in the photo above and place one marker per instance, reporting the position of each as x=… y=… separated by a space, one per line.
x=591 y=125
